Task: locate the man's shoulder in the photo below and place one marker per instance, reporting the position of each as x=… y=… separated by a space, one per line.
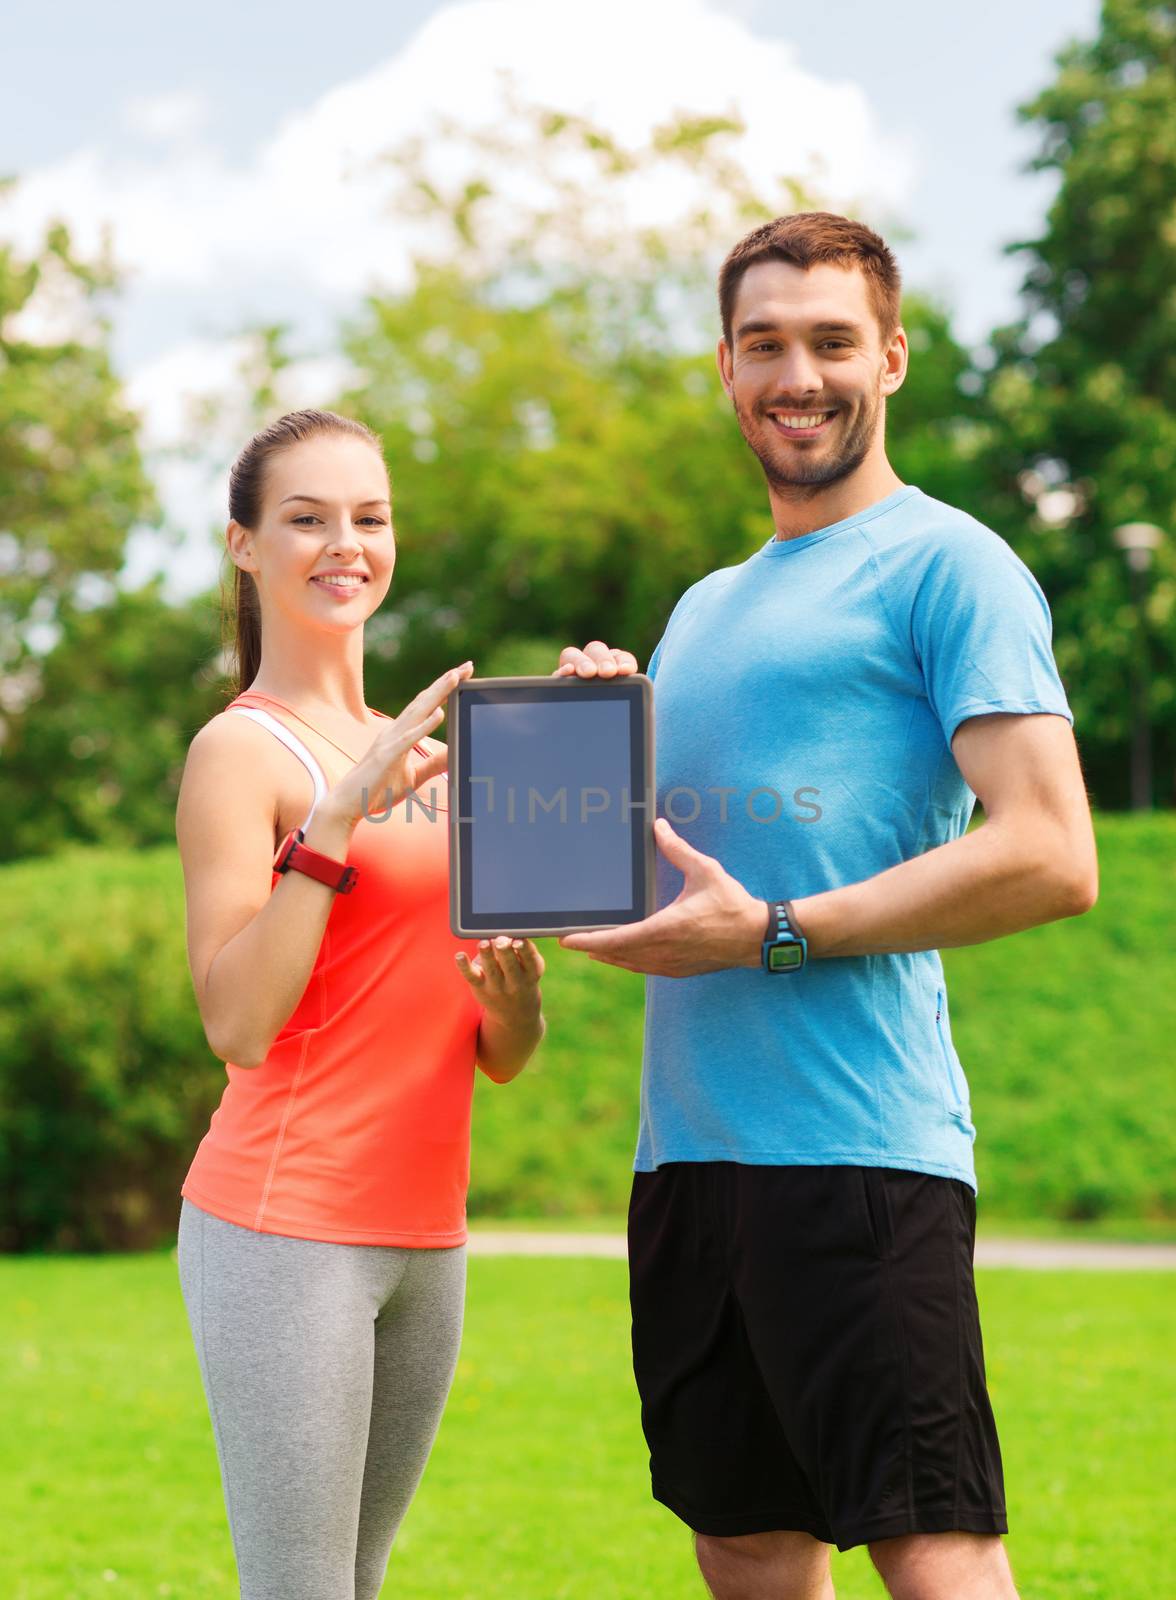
x=923 y=532
x=924 y=518
x=712 y=585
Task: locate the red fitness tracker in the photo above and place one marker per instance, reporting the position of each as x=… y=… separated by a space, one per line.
x=294 y=853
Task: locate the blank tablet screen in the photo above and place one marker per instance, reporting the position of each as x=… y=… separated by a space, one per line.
x=550 y=788
x=550 y=779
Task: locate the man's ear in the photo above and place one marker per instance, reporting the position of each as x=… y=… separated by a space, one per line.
x=724 y=363
x=894 y=368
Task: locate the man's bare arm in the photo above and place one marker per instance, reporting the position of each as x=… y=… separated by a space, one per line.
x=1031 y=860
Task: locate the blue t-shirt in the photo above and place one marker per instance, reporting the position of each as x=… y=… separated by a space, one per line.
x=805 y=704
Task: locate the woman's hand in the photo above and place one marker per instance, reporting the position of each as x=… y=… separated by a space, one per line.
x=391 y=768
x=595 y=660
x=505 y=979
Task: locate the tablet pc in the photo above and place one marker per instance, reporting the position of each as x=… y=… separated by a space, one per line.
x=551 y=786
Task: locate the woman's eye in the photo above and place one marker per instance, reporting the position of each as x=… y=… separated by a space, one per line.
x=309 y=517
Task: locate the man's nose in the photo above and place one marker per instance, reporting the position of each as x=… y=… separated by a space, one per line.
x=796 y=376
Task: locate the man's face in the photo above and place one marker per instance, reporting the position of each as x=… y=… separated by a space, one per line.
x=807 y=371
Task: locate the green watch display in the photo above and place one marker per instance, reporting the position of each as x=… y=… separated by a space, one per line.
x=785 y=949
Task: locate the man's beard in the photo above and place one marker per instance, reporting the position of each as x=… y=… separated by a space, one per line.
x=822 y=470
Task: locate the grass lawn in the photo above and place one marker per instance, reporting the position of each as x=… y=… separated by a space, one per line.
x=537 y=1488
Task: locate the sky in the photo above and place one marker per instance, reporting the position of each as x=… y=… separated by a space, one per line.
x=232 y=150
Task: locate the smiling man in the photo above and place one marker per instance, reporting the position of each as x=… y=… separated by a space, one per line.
x=805 y=1331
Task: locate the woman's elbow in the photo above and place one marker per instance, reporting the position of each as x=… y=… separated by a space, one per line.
x=233 y=1052
x=1075 y=887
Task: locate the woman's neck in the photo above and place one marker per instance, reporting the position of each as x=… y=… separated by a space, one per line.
x=328 y=692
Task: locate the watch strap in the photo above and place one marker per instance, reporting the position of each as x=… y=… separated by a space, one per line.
x=783 y=935
x=295 y=854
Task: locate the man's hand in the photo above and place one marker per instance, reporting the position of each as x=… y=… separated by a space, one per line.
x=595 y=660
x=713 y=924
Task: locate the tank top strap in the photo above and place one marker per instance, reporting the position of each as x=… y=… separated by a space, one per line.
x=295 y=745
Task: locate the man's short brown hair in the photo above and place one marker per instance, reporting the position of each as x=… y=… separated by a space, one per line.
x=805 y=239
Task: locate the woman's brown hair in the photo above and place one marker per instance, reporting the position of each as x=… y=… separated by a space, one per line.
x=241 y=615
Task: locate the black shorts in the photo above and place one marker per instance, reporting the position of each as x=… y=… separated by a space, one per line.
x=806 y=1343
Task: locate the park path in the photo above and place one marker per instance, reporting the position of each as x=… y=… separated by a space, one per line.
x=1037 y=1254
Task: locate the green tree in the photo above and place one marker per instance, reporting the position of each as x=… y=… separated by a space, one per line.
x=1085 y=385
x=564 y=461
x=72 y=482
x=98 y=755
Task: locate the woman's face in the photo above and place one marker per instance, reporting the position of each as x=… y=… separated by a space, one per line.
x=325 y=510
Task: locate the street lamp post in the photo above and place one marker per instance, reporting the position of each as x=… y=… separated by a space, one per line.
x=1137 y=540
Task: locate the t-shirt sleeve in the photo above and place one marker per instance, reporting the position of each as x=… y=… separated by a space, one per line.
x=982 y=632
x=679 y=610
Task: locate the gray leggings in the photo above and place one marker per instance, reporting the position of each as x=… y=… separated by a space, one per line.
x=326 y=1368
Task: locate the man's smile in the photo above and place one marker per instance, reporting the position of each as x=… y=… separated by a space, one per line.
x=800 y=424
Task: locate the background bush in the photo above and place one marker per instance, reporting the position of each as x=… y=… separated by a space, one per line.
x=107 y=1083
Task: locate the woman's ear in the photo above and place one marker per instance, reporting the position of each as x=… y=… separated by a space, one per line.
x=239 y=541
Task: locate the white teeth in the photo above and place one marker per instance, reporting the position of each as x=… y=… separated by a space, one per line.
x=798 y=423
x=340 y=582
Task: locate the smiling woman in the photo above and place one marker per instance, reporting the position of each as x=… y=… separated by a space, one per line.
x=322 y=1232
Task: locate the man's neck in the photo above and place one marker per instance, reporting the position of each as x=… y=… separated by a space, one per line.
x=801 y=510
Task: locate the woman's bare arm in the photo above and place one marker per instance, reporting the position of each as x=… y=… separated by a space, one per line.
x=251 y=952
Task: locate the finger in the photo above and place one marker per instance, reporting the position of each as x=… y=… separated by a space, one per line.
x=606 y=941
x=631 y=936
x=615 y=961
x=599 y=652
x=531 y=962
x=626 y=662
x=470 y=970
x=437 y=692
x=420 y=730
x=571 y=660
x=431 y=766
x=490 y=966
x=576 y=661
x=508 y=966
x=409 y=736
x=676 y=850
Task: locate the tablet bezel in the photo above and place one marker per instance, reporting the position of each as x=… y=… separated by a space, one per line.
x=637 y=691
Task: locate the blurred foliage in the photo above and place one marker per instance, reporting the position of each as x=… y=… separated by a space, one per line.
x=99 y=754
x=72 y=482
x=554 y=485
x=107 y=1083
x=106 y=1080
x=1084 y=388
x=564 y=462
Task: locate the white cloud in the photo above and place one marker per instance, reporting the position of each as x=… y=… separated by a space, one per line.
x=310 y=210
x=166 y=117
x=310 y=205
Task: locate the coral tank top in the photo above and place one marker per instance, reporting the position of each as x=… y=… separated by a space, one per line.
x=356 y=1127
